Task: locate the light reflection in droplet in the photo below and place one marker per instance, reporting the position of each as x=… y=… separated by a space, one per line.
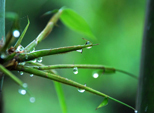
x=16 y=33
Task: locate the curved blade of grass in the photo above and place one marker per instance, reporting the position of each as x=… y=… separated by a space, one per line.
x=104 y=103
x=45 y=31
x=58 y=88
x=30 y=56
x=75 y=22
x=13 y=77
x=104 y=69
x=66 y=81
x=22 y=35
x=60 y=95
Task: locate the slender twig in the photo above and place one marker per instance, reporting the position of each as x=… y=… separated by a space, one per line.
x=30 y=56
x=66 y=81
x=45 y=31
x=104 y=69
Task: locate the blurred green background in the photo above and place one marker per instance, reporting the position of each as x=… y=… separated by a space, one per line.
x=118 y=26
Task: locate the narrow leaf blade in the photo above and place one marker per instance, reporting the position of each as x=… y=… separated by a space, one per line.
x=75 y=22
x=104 y=103
x=60 y=95
x=22 y=35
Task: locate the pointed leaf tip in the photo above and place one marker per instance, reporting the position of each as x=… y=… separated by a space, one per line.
x=104 y=103
x=75 y=22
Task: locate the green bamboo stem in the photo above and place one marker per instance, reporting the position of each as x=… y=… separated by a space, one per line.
x=45 y=31
x=145 y=94
x=104 y=69
x=66 y=81
x=40 y=53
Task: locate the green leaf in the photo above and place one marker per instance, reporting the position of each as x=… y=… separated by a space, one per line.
x=60 y=95
x=75 y=22
x=104 y=103
x=22 y=35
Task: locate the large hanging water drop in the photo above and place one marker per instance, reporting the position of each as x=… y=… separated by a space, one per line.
x=31 y=75
x=16 y=33
x=95 y=75
x=22 y=91
x=34 y=60
x=81 y=90
x=21 y=72
x=39 y=59
x=75 y=70
x=88 y=43
x=32 y=99
x=80 y=50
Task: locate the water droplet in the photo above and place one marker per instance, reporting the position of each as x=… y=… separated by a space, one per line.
x=25 y=85
x=135 y=111
x=19 y=48
x=22 y=91
x=95 y=75
x=21 y=72
x=32 y=50
x=32 y=99
x=75 y=70
x=34 y=60
x=31 y=75
x=16 y=33
x=81 y=90
x=88 y=43
x=39 y=59
x=80 y=50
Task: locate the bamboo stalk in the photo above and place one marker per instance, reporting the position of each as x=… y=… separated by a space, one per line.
x=145 y=94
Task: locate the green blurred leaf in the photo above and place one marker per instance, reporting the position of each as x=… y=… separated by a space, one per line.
x=60 y=95
x=50 y=12
x=75 y=22
x=11 y=15
x=104 y=103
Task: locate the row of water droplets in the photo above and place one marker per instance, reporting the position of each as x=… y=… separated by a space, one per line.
x=75 y=71
x=87 y=43
x=21 y=48
x=23 y=91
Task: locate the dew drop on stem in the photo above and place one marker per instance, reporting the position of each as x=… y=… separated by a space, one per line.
x=22 y=91
x=32 y=99
x=81 y=90
x=80 y=50
x=19 y=48
x=88 y=43
x=75 y=70
x=21 y=72
x=31 y=75
x=39 y=59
